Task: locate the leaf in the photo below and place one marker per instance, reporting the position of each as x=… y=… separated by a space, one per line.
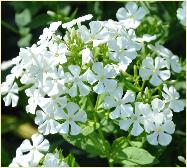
x=39 y=21
x=24 y=30
x=23 y=18
x=127 y=155
x=92 y=143
x=25 y=41
x=91 y=126
x=130 y=86
x=70 y=160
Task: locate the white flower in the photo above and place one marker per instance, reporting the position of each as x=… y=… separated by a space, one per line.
x=77 y=21
x=29 y=154
x=97 y=34
x=131 y=15
x=10 y=89
x=134 y=118
x=6 y=65
x=161 y=133
x=120 y=102
x=46 y=118
x=87 y=56
x=121 y=51
x=53 y=160
x=171 y=96
x=54 y=82
x=156 y=71
x=157 y=113
x=104 y=77
x=73 y=115
x=181 y=13
x=77 y=81
x=171 y=59
x=59 y=52
x=33 y=101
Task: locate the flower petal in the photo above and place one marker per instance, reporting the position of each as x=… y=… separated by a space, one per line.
x=136 y=129
x=152 y=138
x=164 y=139
x=125 y=124
x=75 y=129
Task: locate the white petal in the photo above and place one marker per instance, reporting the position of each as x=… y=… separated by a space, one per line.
x=169 y=127
x=157 y=104
x=86 y=56
x=40 y=117
x=115 y=114
x=129 y=97
x=25 y=146
x=99 y=88
x=60 y=114
x=109 y=102
x=89 y=76
x=136 y=129
x=64 y=128
x=7 y=100
x=44 y=146
x=122 y=14
x=125 y=124
x=14 y=99
x=164 y=74
x=73 y=91
x=132 y=7
x=155 y=80
x=110 y=85
x=44 y=128
x=83 y=89
x=164 y=139
x=37 y=139
x=160 y=63
x=148 y=63
x=126 y=110
x=145 y=73
x=95 y=27
x=98 y=68
x=75 y=129
x=140 y=13
x=75 y=70
x=177 y=105
x=175 y=65
x=80 y=116
x=152 y=138
x=72 y=108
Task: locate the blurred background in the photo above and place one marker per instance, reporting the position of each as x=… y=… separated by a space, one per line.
x=21 y=25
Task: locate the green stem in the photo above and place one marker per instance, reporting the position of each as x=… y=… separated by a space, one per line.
x=143 y=84
x=25 y=87
x=10 y=27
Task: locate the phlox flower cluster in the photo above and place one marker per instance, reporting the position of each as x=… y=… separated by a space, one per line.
x=94 y=59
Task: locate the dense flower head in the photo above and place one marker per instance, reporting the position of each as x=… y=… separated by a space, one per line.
x=60 y=70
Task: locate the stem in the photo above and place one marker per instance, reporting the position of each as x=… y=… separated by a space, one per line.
x=143 y=84
x=25 y=87
x=10 y=27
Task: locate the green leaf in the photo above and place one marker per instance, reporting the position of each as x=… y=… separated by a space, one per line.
x=24 y=30
x=23 y=18
x=92 y=143
x=130 y=86
x=25 y=41
x=39 y=21
x=91 y=126
x=124 y=154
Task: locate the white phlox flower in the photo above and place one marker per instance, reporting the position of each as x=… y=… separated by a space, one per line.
x=161 y=133
x=171 y=97
x=55 y=82
x=74 y=114
x=10 y=89
x=156 y=70
x=103 y=76
x=131 y=15
x=76 y=79
x=53 y=160
x=29 y=155
x=121 y=51
x=121 y=103
x=97 y=34
x=171 y=59
x=46 y=118
x=181 y=13
x=134 y=118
